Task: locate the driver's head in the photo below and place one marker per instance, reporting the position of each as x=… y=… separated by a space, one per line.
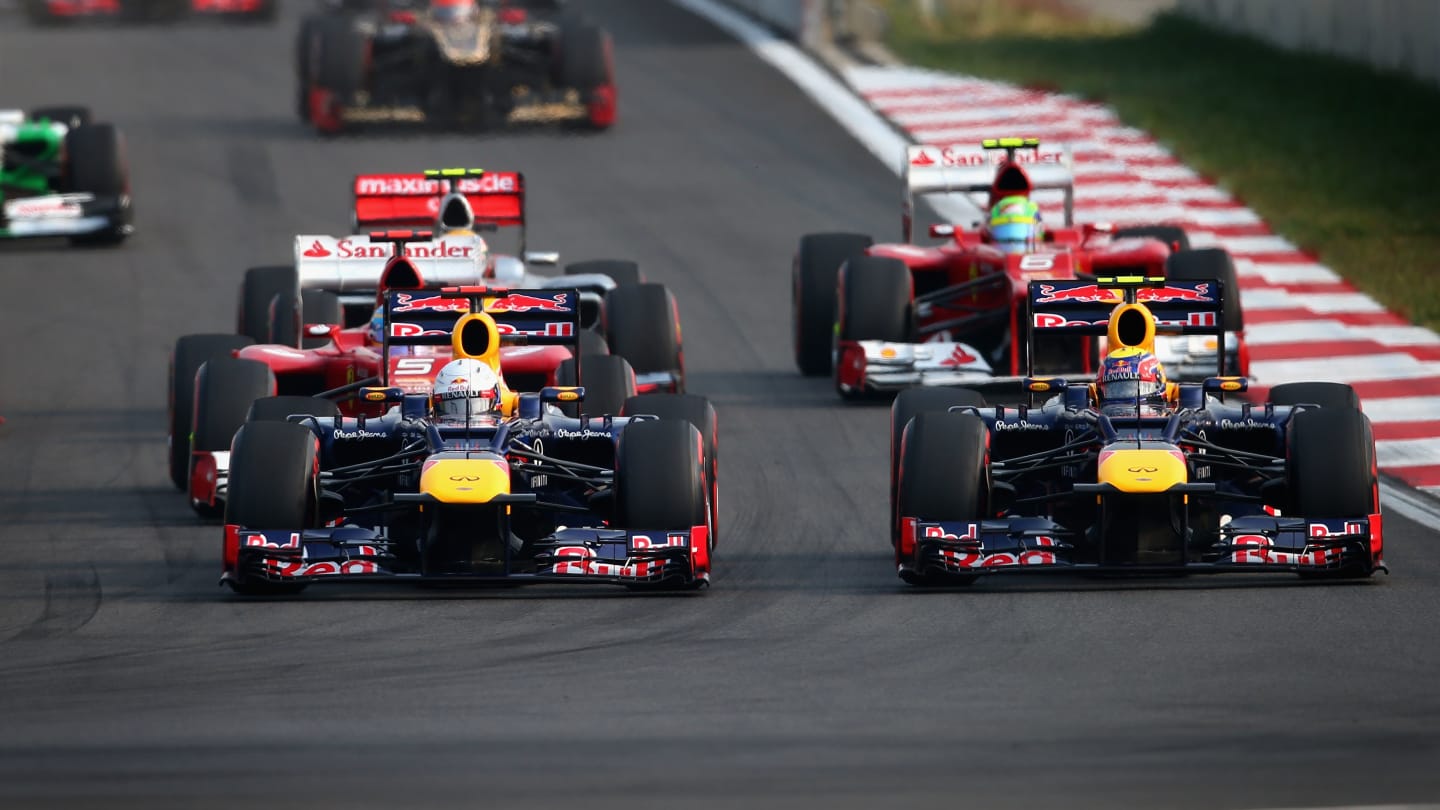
x=455 y=214
x=466 y=389
x=375 y=334
x=1014 y=225
x=1129 y=376
x=452 y=11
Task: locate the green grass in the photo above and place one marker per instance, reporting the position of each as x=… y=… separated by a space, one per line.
x=1338 y=157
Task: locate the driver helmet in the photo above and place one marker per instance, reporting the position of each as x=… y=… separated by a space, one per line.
x=375 y=334
x=453 y=11
x=1131 y=376
x=455 y=214
x=466 y=388
x=1015 y=225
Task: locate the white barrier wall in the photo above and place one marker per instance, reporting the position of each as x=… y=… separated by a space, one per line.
x=798 y=18
x=1393 y=34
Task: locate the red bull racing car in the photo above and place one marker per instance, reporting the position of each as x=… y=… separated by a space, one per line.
x=1172 y=478
x=520 y=493
x=56 y=11
x=884 y=317
x=224 y=379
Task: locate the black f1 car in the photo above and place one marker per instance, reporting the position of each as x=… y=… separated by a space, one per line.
x=1197 y=484
x=503 y=62
x=525 y=495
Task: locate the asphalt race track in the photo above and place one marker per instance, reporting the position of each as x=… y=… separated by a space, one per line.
x=807 y=676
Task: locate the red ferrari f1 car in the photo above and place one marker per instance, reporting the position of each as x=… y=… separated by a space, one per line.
x=885 y=317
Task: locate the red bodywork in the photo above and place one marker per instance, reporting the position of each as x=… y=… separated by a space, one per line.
x=973 y=292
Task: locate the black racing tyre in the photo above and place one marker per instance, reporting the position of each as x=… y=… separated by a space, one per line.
x=341 y=63
x=1330 y=471
x=96 y=163
x=642 y=324
x=272 y=476
x=592 y=342
x=259 y=288
x=1209 y=264
x=1172 y=235
x=319 y=307
x=96 y=156
x=191 y=352
x=659 y=476
x=307 y=47
x=698 y=411
x=944 y=471
x=875 y=304
x=73 y=116
x=814 y=279
x=608 y=380
x=272 y=486
x=1321 y=394
x=283 y=320
x=278 y=409
x=622 y=271
x=581 y=61
x=224 y=389
x=909 y=404
x=875 y=295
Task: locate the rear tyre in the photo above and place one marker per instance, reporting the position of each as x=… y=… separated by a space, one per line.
x=1322 y=394
x=592 y=342
x=608 y=380
x=642 y=324
x=875 y=304
x=279 y=409
x=813 y=296
x=585 y=66
x=1172 y=235
x=191 y=352
x=259 y=288
x=96 y=164
x=224 y=389
x=1330 y=467
x=909 y=404
x=698 y=411
x=1210 y=264
x=284 y=316
x=340 y=67
x=943 y=474
x=272 y=486
x=621 y=271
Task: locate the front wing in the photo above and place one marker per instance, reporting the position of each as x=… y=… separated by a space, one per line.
x=59 y=215
x=582 y=556
x=1244 y=545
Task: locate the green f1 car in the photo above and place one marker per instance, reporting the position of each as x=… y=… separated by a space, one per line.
x=63 y=176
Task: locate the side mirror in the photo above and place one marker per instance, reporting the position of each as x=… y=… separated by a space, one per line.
x=1225 y=385
x=942 y=231
x=1098 y=227
x=562 y=393
x=378 y=393
x=325 y=330
x=548 y=258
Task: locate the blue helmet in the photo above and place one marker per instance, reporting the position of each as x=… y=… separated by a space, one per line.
x=1129 y=376
x=1015 y=225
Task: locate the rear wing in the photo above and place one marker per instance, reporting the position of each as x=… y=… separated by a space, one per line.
x=973 y=170
x=413 y=200
x=549 y=317
x=1085 y=307
x=354 y=264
